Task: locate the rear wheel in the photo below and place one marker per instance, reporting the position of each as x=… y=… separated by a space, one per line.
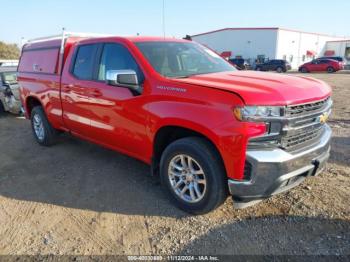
x=330 y=70
x=279 y=69
x=2 y=109
x=193 y=175
x=43 y=132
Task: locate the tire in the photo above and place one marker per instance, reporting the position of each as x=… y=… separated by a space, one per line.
x=203 y=157
x=43 y=132
x=2 y=109
x=304 y=70
x=330 y=70
x=258 y=68
x=279 y=69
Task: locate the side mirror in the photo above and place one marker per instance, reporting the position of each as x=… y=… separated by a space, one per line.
x=124 y=78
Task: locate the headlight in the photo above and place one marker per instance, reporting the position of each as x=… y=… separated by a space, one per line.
x=256 y=113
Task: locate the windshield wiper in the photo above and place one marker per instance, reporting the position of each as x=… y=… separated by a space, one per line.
x=178 y=77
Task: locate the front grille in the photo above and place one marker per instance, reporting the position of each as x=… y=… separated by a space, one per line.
x=304 y=109
x=304 y=127
x=302 y=138
x=301 y=127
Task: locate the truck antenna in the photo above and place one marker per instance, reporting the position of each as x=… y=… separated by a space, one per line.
x=163 y=18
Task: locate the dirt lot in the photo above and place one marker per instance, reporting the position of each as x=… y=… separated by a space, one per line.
x=78 y=198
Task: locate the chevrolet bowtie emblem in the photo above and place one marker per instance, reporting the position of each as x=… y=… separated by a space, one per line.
x=323 y=118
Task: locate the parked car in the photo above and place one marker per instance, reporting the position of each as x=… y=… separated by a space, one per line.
x=8 y=63
x=240 y=63
x=277 y=65
x=338 y=58
x=322 y=65
x=9 y=91
x=206 y=129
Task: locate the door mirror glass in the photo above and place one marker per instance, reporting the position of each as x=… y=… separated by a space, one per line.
x=124 y=78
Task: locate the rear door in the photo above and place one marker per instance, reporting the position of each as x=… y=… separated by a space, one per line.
x=76 y=87
x=270 y=65
x=323 y=65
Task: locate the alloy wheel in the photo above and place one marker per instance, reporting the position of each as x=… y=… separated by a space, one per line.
x=38 y=126
x=187 y=178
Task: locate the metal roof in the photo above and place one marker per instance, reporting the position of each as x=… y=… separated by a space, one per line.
x=262 y=28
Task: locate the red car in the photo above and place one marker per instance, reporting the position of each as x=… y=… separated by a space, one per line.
x=322 y=65
x=206 y=129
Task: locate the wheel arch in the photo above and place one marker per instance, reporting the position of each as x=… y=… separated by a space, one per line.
x=167 y=134
x=30 y=103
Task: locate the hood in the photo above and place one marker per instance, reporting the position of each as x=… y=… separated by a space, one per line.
x=260 y=88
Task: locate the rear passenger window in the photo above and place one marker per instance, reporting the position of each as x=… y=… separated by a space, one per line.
x=117 y=57
x=84 y=61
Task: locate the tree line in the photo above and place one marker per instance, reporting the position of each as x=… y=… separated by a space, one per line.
x=9 y=51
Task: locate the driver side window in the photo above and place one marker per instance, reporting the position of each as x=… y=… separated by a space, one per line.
x=117 y=57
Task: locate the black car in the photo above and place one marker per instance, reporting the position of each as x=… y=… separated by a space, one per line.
x=240 y=63
x=277 y=65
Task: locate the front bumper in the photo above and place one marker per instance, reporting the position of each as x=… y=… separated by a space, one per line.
x=275 y=171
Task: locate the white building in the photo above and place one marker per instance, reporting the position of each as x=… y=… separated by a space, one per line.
x=261 y=44
x=338 y=48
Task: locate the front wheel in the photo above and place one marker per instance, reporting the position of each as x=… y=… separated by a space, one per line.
x=193 y=175
x=279 y=69
x=303 y=70
x=330 y=70
x=43 y=132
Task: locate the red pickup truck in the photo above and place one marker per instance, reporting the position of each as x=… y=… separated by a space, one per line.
x=206 y=129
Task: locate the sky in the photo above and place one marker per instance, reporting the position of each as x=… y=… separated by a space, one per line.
x=36 y=18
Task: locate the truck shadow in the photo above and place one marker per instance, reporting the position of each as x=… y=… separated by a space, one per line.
x=277 y=235
x=76 y=174
x=340 y=150
x=80 y=175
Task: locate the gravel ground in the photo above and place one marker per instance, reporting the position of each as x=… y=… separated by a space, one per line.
x=80 y=199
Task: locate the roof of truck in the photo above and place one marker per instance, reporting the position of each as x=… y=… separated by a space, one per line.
x=56 y=42
x=154 y=39
x=136 y=39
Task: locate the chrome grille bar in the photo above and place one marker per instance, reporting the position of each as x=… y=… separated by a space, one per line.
x=301 y=109
x=290 y=142
x=301 y=126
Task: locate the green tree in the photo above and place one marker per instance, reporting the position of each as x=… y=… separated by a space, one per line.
x=9 y=51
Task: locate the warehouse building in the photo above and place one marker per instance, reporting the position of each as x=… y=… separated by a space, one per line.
x=261 y=44
x=338 y=48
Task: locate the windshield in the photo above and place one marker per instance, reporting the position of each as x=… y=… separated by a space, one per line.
x=179 y=59
x=9 y=77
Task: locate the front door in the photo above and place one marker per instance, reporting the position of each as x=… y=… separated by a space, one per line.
x=315 y=66
x=118 y=118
